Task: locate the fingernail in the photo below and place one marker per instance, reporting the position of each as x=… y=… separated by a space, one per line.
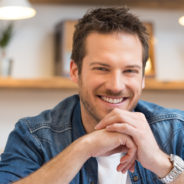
x=108 y=127
x=131 y=170
x=123 y=160
x=124 y=171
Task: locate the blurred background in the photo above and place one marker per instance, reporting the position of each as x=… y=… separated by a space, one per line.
x=32 y=46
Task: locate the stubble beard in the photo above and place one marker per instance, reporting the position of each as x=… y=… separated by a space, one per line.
x=89 y=109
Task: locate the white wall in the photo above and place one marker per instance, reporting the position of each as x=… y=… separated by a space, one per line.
x=32 y=51
x=32 y=44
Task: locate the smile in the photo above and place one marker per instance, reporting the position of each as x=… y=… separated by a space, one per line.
x=112 y=100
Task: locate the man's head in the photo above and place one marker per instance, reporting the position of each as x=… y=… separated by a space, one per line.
x=110 y=46
x=105 y=21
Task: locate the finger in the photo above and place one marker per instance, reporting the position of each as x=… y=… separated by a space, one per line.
x=118 y=116
x=108 y=120
x=116 y=150
x=120 y=149
x=125 y=166
x=131 y=148
x=132 y=167
x=121 y=167
x=123 y=128
x=128 y=159
x=128 y=145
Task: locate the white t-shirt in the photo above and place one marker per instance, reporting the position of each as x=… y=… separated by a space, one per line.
x=107 y=173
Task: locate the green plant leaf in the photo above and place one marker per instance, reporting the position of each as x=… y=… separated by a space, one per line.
x=6 y=36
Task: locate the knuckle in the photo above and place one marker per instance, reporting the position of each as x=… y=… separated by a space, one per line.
x=140 y=115
x=125 y=127
x=116 y=110
x=118 y=113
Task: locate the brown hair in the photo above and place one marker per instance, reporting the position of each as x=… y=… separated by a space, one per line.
x=107 y=20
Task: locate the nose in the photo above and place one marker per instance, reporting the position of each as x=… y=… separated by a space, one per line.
x=115 y=83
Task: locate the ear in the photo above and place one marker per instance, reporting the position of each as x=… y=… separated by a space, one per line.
x=74 y=72
x=143 y=82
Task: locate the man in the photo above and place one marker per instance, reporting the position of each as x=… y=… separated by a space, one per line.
x=84 y=138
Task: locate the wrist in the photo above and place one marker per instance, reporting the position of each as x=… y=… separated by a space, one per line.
x=84 y=143
x=163 y=165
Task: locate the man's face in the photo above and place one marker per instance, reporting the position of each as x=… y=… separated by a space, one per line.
x=111 y=75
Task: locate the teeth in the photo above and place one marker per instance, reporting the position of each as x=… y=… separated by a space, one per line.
x=112 y=100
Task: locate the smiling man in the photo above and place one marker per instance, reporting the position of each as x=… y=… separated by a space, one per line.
x=113 y=68
x=105 y=134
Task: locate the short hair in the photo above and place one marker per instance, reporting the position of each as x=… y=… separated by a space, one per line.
x=107 y=20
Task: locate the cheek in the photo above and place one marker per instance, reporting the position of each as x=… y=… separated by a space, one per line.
x=87 y=85
x=94 y=82
x=135 y=85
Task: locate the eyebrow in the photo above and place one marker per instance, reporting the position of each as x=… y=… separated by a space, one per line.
x=134 y=66
x=98 y=63
x=103 y=64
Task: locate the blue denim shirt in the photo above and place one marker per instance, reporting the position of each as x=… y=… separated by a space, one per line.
x=35 y=140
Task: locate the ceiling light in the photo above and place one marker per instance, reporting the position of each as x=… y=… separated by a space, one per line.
x=16 y=9
x=181 y=20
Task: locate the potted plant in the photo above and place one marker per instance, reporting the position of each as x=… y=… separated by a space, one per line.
x=5 y=62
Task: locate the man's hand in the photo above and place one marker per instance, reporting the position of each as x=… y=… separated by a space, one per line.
x=135 y=125
x=104 y=143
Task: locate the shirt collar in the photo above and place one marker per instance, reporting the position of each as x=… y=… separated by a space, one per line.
x=78 y=128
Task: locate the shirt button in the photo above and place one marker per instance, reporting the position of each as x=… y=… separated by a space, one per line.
x=135 y=178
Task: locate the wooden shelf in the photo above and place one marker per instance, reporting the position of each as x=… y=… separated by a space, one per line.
x=152 y=84
x=65 y=83
x=42 y=83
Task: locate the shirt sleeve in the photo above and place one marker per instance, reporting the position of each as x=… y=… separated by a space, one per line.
x=22 y=155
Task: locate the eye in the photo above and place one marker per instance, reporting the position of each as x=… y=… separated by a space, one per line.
x=131 y=71
x=100 y=68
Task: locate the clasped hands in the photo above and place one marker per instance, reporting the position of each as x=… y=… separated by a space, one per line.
x=128 y=132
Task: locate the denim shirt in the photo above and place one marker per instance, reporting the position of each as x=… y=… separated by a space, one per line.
x=36 y=140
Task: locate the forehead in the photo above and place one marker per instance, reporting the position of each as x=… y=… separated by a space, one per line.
x=115 y=46
x=114 y=36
